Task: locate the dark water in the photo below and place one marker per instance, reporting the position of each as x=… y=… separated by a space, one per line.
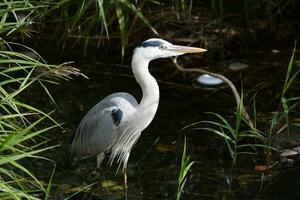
x=155 y=160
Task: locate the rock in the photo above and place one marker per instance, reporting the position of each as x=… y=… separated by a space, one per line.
x=288 y=152
x=275 y=51
x=237 y=66
x=207 y=79
x=297 y=149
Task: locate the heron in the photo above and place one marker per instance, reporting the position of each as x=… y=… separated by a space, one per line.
x=115 y=123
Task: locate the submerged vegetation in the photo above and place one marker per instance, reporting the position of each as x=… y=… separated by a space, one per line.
x=228 y=29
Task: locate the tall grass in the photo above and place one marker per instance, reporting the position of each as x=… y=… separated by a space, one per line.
x=19 y=16
x=97 y=19
x=21 y=124
x=82 y=19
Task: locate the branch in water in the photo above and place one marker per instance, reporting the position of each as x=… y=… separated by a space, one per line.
x=226 y=80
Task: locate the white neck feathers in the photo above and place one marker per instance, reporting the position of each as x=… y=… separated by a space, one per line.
x=149 y=103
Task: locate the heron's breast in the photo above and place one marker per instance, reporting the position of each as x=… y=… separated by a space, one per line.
x=145 y=114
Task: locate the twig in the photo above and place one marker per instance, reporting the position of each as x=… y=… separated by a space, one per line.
x=226 y=80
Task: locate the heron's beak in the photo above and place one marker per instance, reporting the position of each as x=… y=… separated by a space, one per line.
x=185 y=49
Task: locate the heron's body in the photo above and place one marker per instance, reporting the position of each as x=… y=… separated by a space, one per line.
x=102 y=124
x=115 y=123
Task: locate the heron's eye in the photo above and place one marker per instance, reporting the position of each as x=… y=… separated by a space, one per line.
x=162 y=47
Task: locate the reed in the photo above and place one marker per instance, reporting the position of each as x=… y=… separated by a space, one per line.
x=21 y=124
x=185 y=167
x=97 y=19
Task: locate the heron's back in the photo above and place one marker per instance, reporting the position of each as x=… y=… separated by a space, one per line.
x=99 y=129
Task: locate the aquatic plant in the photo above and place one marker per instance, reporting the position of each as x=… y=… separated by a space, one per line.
x=184 y=169
x=286 y=104
x=238 y=138
x=289 y=80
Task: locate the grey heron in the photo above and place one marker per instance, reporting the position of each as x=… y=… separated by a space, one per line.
x=115 y=123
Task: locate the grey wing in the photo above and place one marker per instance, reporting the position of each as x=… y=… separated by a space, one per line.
x=99 y=128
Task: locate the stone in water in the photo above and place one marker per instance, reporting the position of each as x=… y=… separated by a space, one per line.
x=207 y=79
x=237 y=66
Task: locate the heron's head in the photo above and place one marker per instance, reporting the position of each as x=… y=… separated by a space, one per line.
x=157 y=48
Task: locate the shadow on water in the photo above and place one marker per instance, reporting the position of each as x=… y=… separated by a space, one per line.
x=155 y=160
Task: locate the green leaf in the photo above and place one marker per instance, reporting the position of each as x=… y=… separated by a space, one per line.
x=50 y=183
x=222 y=134
x=139 y=14
x=102 y=14
x=288 y=73
x=123 y=34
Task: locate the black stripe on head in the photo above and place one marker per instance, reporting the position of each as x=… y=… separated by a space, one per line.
x=151 y=43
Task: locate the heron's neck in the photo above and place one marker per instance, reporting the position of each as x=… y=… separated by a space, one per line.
x=147 y=82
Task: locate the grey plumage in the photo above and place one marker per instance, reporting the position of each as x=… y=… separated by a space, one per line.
x=98 y=131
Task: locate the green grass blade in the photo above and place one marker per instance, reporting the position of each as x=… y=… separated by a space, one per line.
x=288 y=73
x=102 y=14
x=50 y=183
x=138 y=13
x=222 y=134
x=122 y=27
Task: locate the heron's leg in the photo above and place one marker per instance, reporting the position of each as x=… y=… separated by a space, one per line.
x=100 y=158
x=125 y=179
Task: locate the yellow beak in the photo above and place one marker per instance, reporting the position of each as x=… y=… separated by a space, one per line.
x=186 y=49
